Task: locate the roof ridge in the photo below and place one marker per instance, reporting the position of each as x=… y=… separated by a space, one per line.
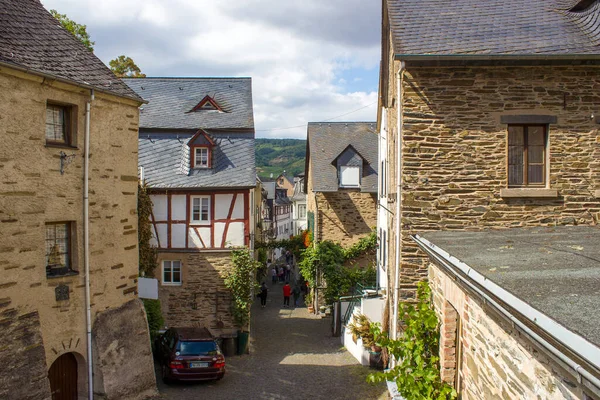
x=190 y=77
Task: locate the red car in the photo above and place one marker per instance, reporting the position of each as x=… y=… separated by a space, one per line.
x=189 y=354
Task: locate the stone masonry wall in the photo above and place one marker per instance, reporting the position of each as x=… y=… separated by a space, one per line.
x=202 y=299
x=454 y=151
x=346 y=216
x=33 y=192
x=497 y=362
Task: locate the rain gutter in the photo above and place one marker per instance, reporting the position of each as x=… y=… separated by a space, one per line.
x=509 y=306
x=69 y=81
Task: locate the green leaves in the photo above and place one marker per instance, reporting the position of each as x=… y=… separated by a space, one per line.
x=125 y=67
x=240 y=281
x=77 y=30
x=416 y=350
x=327 y=259
x=147 y=253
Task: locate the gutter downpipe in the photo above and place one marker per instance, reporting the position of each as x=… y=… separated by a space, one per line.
x=398 y=197
x=86 y=244
x=447 y=261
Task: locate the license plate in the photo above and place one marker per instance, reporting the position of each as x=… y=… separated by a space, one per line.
x=199 y=365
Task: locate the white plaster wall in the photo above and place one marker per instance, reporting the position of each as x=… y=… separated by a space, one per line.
x=222 y=204
x=161 y=230
x=373 y=308
x=219 y=229
x=235 y=234
x=159 y=207
x=178 y=235
x=356 y=349
x=178 y=207
x=238 y=208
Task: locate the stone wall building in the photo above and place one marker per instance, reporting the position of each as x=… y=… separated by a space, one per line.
x=341 y=180
x=48 y=82
x=196 y=147
x=485 y=126
x=517 y=324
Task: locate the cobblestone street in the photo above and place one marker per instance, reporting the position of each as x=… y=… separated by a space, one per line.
x=293 y=356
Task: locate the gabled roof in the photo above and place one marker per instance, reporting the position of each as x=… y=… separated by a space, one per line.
x=33 y=40
x=494 y=27
x=170 y=101
x=327 y=140
x=351 y=148
x=165 y=158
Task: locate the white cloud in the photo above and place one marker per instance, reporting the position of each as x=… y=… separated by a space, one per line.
x=295 y=51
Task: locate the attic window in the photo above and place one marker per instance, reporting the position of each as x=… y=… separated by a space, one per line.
x=349 y=176
x=207 y=104
x=582 y=5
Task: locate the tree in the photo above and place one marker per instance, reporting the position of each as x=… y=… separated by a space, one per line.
x=77 y=30
x=124 y=67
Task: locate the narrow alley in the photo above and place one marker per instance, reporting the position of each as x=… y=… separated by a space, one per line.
x=293 y=356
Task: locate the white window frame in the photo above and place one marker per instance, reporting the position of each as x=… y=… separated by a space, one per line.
x=301 y=211
x=344 y=168
x=199 y=221
x=198 y=150
x=171 y=266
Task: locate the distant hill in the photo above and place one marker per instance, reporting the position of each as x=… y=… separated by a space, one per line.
x=273 y=156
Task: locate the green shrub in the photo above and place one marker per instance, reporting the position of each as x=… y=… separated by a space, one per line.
x=155 y=318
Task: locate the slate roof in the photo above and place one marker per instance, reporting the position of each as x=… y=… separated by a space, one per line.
x=165 y=158
x=555 y=270
x=326 y=140
x=494 y=27
x=170 y=101
x=31 y=39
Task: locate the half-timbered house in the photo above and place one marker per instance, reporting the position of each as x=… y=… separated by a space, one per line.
x=196 y=154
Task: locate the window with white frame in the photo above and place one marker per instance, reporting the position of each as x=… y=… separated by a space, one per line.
x=201 y=157
x=200 y=209
x=171 y=272
x=301 y=211
x=349 y=176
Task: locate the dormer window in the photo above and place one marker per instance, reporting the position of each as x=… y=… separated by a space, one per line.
x=201 y=148
x=207 y=104
x=349 y=176
x=201 y=157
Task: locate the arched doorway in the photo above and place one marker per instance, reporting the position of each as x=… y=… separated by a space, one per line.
x=63 y=377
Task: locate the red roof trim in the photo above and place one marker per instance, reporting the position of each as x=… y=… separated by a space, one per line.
x=207 y=99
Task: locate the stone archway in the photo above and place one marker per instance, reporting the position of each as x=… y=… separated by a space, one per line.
x=63 y=377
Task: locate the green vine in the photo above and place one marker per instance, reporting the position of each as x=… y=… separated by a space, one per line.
x=328 y=258
x=296 y=244
x=416 y=352
x=147 y=253
x=240 y=281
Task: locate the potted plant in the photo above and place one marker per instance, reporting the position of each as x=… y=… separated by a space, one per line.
x=240 y=281
x=309 y=302
x=361 y=327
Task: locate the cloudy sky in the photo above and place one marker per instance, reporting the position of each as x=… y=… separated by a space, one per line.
x=310 y=60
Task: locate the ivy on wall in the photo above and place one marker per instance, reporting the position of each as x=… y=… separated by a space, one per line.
x=415 y=352
x=147 y=253
x=240 y=281
x=327 y=259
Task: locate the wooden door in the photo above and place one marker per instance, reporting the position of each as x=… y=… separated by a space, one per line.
x=63 y=378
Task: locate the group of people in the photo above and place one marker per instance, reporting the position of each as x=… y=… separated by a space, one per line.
x=299 y=289
x=281 y=274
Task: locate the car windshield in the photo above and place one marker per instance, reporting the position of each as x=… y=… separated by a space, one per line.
x=196 y=348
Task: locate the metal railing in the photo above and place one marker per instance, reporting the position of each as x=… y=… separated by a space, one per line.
x=360 y=292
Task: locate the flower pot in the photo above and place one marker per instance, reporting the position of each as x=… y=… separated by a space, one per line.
x=311 y=309
x=243 y=337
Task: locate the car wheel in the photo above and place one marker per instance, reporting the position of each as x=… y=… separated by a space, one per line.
x=165 y=374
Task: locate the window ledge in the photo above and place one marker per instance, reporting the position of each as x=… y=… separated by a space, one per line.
x=597 y=194
x=65 y=275
x=528 y=192
x=58 y=145
x=172 y=284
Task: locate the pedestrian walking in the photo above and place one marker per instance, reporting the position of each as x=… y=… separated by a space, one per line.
x=287 y=291
x=281 y=273
x=287 y=272
x=263 y=294
x=273 y=275
x=296 y=292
